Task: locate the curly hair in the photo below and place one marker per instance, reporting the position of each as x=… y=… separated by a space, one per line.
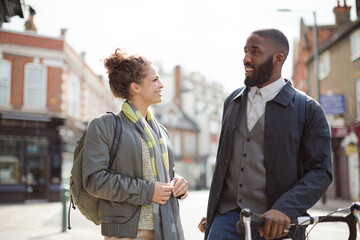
x=124 y=69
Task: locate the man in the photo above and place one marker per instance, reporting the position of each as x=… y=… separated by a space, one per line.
x=264 y=161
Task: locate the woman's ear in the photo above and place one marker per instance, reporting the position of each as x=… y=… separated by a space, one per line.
x=134 y=88
x=278 y=58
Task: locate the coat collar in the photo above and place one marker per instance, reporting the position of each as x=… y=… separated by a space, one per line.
x=284 y=97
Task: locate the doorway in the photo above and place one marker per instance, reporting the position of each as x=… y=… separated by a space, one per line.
x=35 y=174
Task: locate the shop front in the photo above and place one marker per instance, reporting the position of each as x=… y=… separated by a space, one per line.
x=30 y=157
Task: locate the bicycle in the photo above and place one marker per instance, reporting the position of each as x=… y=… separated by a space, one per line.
x=353 y=218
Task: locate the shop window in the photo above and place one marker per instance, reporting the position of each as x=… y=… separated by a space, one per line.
x=74 y=96
x=355 y=45
x=5 y=82
x=35 y=86
x=324 y=65
x=13 y=151
x=9 y=170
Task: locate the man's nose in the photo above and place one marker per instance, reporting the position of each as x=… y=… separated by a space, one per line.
x=247 y=58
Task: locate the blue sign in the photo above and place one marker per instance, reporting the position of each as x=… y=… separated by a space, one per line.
x=333 y=104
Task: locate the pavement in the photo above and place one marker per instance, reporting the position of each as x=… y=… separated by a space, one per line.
x=43 y=221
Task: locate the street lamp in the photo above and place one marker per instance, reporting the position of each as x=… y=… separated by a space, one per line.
x=316 y=48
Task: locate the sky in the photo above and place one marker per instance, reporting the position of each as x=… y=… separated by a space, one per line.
x=205 y=36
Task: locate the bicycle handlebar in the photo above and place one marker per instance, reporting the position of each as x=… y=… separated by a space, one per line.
x=352 y=219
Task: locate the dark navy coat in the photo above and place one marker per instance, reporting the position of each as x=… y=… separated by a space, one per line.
x=285 y=190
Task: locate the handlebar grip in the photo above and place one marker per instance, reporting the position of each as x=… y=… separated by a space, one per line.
x=258 y=223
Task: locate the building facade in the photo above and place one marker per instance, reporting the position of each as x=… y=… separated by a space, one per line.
x=339 y=81
x=47 y=96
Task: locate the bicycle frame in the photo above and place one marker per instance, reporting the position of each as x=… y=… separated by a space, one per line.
x=352 y=219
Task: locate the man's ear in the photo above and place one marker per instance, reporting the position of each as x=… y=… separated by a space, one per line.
x=278 y=58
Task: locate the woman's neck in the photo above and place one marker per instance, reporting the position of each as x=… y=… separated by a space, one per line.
x=141 y=107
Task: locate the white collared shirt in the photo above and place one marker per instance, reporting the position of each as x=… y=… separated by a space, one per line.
x=257 y=99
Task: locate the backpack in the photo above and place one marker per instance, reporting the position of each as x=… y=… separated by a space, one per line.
x=86 y=203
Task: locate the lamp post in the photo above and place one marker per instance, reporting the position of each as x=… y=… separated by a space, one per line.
x=316 y=48
x=316 y=60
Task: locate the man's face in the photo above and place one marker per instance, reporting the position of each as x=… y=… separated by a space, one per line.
x=258 y=61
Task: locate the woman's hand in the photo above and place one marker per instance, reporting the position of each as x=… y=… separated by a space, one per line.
x=162 y=192
x=181 y=187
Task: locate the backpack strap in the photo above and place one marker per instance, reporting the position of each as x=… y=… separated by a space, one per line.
x=300 y=102
x=116 y=141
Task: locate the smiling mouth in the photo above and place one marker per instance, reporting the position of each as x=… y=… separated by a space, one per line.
x=248 y=70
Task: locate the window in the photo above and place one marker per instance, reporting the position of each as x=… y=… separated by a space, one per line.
x=214 y=127
x=189 y=143
x=74 y=96
x=35 y=86
x=5 y=82
x=355 y=45
x=324 y=65
x=9 y=170
x=177 y=144
x=358 y=98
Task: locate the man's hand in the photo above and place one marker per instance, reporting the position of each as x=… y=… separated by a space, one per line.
x=202 y=225
x=162 y=192
x=181 y=187
x=273 y=229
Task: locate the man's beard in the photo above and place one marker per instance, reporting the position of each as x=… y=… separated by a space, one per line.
x=261 y=74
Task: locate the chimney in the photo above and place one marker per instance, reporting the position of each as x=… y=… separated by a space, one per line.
x=342 y=14
x=63 y=32
x=357 y=8
x=177 y=76
x=29 y=24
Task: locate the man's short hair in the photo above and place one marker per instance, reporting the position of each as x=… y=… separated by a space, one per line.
x=278 y=38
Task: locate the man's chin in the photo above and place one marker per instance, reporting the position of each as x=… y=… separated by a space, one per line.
x=249 y=82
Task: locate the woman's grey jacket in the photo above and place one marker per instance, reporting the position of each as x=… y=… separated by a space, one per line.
x=121 y=189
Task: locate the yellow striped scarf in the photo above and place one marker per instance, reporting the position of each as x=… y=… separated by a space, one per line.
x=149 y=135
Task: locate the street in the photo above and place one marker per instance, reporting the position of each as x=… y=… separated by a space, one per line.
x=42 y=221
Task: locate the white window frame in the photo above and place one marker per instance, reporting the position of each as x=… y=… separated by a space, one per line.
x=6 y=84
x=74 y=98
x=43 y=99
x=355 y=45
x=324 y=65
x=357 y=89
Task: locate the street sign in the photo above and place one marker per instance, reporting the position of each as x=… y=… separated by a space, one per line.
x=333 y=104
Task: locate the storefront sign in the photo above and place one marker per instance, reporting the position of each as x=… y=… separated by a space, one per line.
x=333 y=104
x=22 y=124
x=340 y=132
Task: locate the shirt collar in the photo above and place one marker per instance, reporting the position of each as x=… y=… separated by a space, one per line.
x=265 y=91
x=268 y=89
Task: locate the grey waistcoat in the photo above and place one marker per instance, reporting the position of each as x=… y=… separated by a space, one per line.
x=245 y=182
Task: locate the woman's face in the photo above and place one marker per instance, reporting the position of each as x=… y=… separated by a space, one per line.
x=150 y=88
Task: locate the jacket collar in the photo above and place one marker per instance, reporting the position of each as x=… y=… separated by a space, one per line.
x=283 y=97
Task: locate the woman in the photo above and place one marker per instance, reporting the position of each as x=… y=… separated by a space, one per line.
x=138 y=194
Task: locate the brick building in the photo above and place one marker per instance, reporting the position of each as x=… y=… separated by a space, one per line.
x=47 y=95
x=339 y=80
